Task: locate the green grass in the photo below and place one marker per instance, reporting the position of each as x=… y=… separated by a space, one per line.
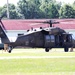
x=37 y=65
x=42 y=66
x=36 y=52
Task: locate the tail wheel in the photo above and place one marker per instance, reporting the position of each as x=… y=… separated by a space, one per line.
x=47 y=49
x=9 y=49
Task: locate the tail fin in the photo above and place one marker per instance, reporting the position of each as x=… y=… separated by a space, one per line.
x=3 y=36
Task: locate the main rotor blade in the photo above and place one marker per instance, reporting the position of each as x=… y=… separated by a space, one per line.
x=34 y=24
x=65 y=20
x=67 y=23
x=43 y=21
x=50 y=22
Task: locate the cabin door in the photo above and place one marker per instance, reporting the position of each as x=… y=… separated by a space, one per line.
x=49 y=41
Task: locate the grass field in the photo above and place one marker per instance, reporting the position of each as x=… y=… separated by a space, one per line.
x=37 y=66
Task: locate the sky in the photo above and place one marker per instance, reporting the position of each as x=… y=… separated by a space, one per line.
x=2 y=2
x=66 y=1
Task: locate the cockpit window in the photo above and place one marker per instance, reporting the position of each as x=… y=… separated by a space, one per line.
x=69 y=38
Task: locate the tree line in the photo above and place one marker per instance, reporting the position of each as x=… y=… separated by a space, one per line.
x=38 y=9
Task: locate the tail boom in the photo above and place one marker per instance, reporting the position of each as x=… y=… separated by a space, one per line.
x=3 y=36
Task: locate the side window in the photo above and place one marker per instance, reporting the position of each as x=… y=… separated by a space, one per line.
x=47 y=38
x=52 y=38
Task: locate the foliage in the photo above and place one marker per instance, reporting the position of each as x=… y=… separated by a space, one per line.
x=67 y=12
x=38 y=9
x=74 y=5
x=32 y=9
x=29 y=8
x=12 y=11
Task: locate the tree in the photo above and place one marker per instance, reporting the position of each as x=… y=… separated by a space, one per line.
x=1 y=11
x=12 y=11
x=53 y=11
x=73 y=5
x=49 y=9
x=29 y=8
x=67 y=11
x=38 y=9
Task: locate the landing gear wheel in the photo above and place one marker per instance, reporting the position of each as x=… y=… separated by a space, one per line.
x=66 y=49
x=47 y=49
x=9 y=49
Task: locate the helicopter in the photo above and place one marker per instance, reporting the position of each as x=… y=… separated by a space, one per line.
x=47 y=38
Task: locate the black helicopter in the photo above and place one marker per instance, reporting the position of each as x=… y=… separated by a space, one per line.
x=51 y=37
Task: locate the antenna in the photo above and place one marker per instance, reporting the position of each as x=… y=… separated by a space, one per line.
x=8 y=9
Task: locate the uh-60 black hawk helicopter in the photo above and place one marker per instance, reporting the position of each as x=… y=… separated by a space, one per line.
x=51 y=37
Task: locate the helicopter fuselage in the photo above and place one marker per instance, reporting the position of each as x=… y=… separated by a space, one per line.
x=47 y=38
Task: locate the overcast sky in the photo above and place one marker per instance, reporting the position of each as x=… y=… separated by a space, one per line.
x=66 y=1
x=2 y=2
